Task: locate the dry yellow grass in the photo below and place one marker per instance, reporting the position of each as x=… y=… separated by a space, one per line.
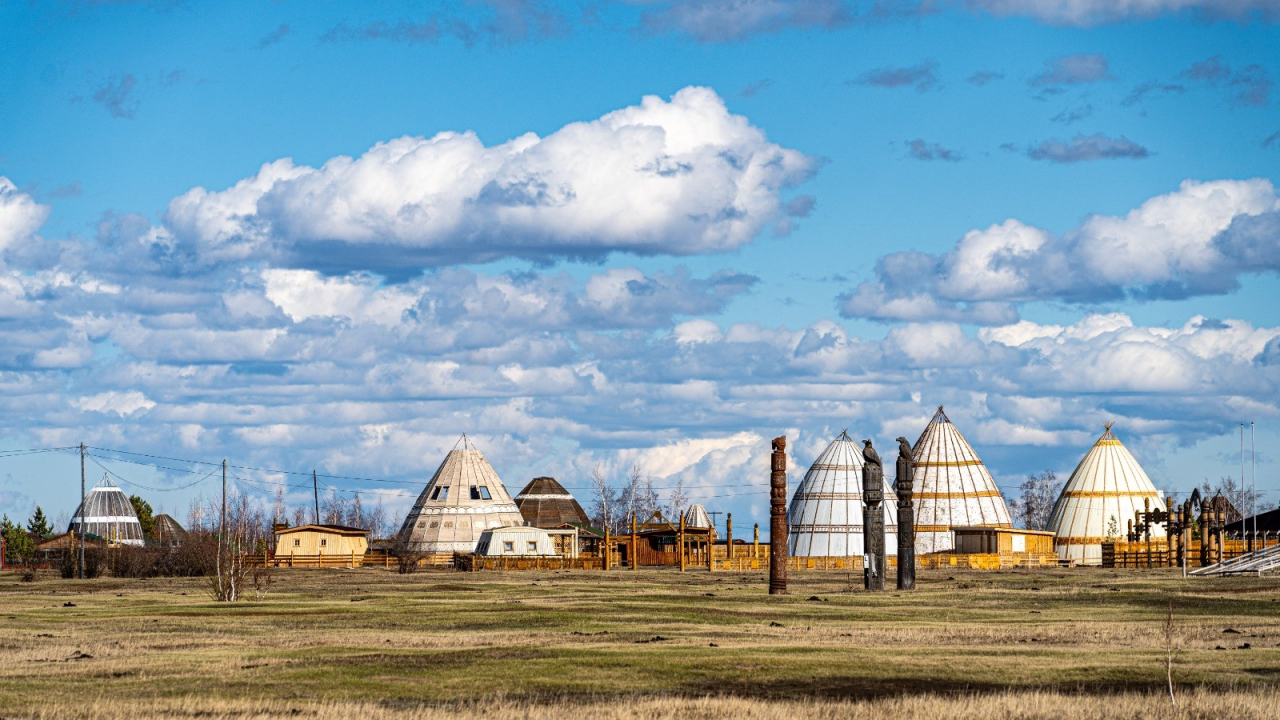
x=370 y=643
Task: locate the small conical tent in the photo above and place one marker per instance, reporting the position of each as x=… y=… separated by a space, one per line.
x=826 y=514
x=1105 y=490
x=545 y=503
x=953 y=488
x=108 y=514
x=463 y=499
x=697 y=517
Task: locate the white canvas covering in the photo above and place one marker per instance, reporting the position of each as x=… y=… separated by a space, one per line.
x=826 y=513
x=697 y=517
x=1108 y=483
x=108 y=514
x=517 y=541
x=952 y=487
x=463 y=499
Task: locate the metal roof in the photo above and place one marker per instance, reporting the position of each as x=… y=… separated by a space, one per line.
x=107 y=513
x=1108 y=483
x=826 y=514
x=952 y=487
x=697 y=517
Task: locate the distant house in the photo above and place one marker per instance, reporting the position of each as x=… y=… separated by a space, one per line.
x=517 y=540
x=321 y=540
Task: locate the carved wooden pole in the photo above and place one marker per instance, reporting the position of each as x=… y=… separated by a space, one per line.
x=635 y=545
x=872 y=519
x=755 y=544
x=605 y=558
x=681 y=548
x=728 y=545
x=778 y=517
x=904 y=485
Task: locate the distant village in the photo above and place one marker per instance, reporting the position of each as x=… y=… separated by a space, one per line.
x=1107 y=513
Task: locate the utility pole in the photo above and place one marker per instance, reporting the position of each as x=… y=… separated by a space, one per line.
x=315 y=489
x=1253 y=460
x=222 y=522
x=81 y=573
x=1240 y=497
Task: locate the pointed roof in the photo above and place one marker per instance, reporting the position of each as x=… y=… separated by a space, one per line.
x=545 y=503
x=952 y=487
x=464 y=498
x=1108 y=483
x=826 y=514
x=697 y=517
x=107 y=513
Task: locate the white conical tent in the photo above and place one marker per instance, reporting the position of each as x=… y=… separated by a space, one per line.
x=108 y=514
x=697 y=517
x=825 y=518
x=953 y=488
x=463 y=499
x=1107 y=484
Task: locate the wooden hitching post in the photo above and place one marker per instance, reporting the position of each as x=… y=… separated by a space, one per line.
x=635 y=545
x=728 y=546
x=755 y=544
x=681 y=544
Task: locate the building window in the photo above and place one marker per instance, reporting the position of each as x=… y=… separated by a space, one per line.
x=508 y=546
x=297 y=542
x=323 y=542
x=484 y=493
x=475 y=493
x=533 y=546
x=441 y=493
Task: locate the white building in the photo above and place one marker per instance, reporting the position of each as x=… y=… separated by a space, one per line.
x=1099 y=500
x=516 y=541
x=826 y=514
x=953 y=488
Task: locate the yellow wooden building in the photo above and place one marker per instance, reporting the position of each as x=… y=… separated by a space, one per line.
x=313 y=540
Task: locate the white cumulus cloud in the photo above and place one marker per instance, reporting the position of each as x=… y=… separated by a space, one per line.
x=682 y=176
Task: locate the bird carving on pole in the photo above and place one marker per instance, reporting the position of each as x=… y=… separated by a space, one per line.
x=870 y=455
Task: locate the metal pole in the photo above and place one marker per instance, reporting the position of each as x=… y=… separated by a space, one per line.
x=315 y=489
x=81 y=511
x=222 y=521
x=1240 y=498
x=1253 y=460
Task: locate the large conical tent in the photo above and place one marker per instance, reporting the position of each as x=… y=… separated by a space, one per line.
x=545 y=503
x=825 y=518
x=108 y=514
x=953 y=488
x=1107 y=485
x=463 y=499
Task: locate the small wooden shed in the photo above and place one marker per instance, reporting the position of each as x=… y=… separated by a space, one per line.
x=321 y=540
x=1004 y=541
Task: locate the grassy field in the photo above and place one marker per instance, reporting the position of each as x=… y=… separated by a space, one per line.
x=370 y=643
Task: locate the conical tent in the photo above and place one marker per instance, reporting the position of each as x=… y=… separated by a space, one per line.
x=107 y=513
x=697 y=517
x=826 y=514
x=952 y=487
x=1105 y=490
x=463 y=499
x=544 y=503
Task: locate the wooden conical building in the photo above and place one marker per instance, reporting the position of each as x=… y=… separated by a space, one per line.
x=953 y=488
x=1099 y=500
x=545 y=503
x=463 y=499
x=826 y=514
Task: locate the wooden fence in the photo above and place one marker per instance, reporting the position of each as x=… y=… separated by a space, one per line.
x=1136 y=555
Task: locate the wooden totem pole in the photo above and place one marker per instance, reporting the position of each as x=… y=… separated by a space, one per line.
x=873 y=518
x=906 y=516
x=778 y=518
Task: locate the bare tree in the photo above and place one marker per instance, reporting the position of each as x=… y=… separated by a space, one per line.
x=1243 y=500
x=239 y=532
x=649 y=500
x=677 y=501
x=604 y=504
x=1039 y=493
x=355 y=514
x=279 y=509
x=376 y=521
x=300 y=516
x=629 y=498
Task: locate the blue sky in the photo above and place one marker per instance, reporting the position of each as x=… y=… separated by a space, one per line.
x=1087 y=189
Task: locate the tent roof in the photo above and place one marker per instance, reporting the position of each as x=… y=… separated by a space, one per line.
x=1107 y=484
x=952 y=487
x=545 y=503
x=826 y=515
x=697 y=517
x=447 y=517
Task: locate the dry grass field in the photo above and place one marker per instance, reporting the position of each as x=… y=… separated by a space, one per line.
x=371 y=643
